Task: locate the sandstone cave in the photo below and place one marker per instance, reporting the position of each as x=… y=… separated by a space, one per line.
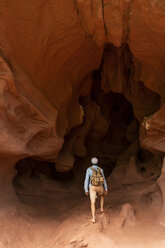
x=79 y=79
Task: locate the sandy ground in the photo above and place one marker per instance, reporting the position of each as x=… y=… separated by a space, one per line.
x=23 y=226
x=146 y=231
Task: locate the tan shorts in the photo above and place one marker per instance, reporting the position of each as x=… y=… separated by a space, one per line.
x=93 y=190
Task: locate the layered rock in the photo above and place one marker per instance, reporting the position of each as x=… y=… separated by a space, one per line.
x=23 y=125
x=49 y=55
x=161 y=183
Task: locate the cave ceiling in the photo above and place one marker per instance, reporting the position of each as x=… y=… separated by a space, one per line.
x=78 y=76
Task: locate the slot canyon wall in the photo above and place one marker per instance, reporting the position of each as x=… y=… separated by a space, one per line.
x=80 y=78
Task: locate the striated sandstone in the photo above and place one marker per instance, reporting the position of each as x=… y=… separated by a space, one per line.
x=49 y=51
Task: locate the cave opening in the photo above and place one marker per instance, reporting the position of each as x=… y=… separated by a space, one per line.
x=82 y=79
x=112 y=113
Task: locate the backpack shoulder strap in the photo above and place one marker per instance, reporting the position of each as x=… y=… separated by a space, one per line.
x=94 y=171
x=99 y=170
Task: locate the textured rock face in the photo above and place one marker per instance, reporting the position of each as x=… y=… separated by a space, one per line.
x=79 y=77
x=161 y=183
x=147 y=41
x=23 y=126
x=49 y=55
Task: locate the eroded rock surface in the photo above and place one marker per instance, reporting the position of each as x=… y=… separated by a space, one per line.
x=161 y=183
x=52 y=47
x=81 y=78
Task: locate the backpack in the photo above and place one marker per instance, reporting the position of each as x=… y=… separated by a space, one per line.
x=97 y=178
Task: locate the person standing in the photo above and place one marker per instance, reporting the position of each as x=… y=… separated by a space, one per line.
x=95 y=183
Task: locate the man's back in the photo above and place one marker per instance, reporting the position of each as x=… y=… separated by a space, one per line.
x=89 y=173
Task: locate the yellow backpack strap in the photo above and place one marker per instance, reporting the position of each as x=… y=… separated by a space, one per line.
x=99 y=170
x=94 y=171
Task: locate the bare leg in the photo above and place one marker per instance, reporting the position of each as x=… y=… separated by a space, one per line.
x=93 y=211
x=102 y=203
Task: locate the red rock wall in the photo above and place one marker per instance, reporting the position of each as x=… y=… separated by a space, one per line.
x=48 y=54
x=50 y=48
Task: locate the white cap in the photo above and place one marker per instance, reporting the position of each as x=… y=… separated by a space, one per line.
x=94 y=160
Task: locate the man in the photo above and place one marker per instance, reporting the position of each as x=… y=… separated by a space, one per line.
x=94 y=183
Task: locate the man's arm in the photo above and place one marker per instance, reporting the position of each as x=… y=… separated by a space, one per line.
x=86 y=182
x=105 y=183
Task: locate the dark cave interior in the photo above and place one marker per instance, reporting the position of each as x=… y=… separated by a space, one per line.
x=109 y=130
